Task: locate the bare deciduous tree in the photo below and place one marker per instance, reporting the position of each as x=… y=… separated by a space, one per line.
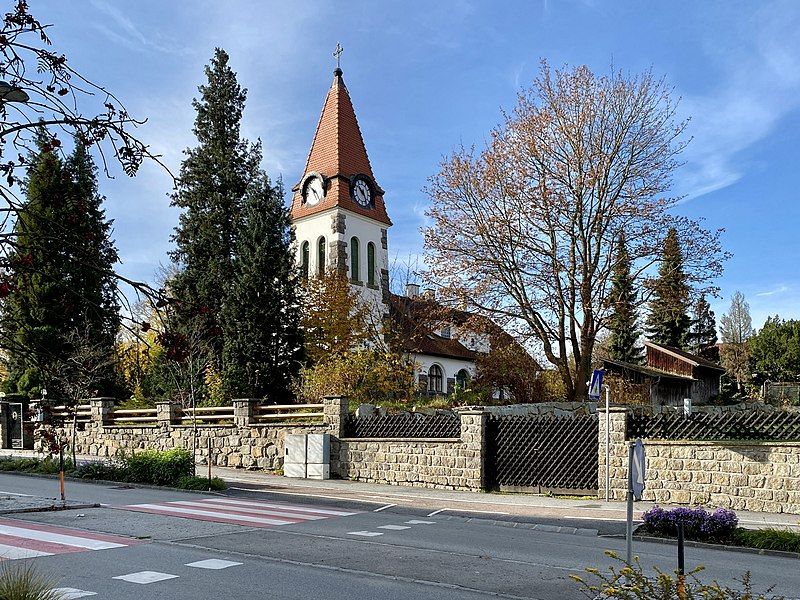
x=525 y=229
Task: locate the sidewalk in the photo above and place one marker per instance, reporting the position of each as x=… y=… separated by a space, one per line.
x=453 y=502
x=530 y=505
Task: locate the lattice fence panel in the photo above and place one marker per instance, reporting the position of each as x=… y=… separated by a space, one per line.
x=404 y=425
x=775 y=426
x=557 y=453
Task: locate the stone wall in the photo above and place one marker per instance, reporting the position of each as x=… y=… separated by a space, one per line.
x=252 y=447
x=455 y=464
x=442 y=463
x=754 y=476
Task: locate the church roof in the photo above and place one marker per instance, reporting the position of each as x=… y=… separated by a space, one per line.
x=338 y=153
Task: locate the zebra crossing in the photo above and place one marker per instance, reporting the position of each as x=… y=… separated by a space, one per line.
x=249 y=513
x=21 y=539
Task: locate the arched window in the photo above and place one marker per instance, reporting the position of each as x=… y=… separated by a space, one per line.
x=304 y=257
x=462 y=379
x=355 y=272
x=370 y=264
x=435 y=379
x=321 y=256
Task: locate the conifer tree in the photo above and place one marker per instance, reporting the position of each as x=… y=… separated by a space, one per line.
x=703 y=332
x=213 y=181
x=668 y=322
x=262 y=351
x=623 y=323
x=63 y=287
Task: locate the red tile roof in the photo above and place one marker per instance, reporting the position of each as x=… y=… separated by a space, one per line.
x=338 y=152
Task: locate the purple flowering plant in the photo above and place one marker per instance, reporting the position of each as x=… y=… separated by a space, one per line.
x=697 y=522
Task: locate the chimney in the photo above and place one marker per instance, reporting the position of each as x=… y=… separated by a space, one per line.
x=412 y=290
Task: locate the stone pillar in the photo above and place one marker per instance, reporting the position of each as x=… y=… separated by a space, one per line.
x=473 y=436
x=244 y=410
x=168 y=413
x=335 y=409
x=618 y=452
x=5 y=424
x=101 y=409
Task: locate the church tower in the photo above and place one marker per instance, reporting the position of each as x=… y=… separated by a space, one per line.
x=337 y=209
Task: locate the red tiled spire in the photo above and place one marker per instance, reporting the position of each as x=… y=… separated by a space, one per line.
x=338 y=153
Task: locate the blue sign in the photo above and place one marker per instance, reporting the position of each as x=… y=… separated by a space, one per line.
x=637 y=477
x=596 y=384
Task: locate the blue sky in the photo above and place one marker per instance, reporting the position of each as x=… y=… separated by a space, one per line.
x=426 y=76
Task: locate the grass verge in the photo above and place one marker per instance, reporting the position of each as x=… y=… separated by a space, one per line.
x=782 y=540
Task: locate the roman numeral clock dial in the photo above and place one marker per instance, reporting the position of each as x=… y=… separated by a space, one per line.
x=362 y=193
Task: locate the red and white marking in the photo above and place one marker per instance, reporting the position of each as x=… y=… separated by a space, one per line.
x=239 y=512
x=21 y=539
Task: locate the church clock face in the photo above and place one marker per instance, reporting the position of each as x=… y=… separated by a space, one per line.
x=313 y=190
x=362 y=193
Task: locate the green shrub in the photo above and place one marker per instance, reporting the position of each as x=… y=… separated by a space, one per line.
x=110 y=471
x=159 y=468
x=632 y=583
x=191 y=482
x=33 y=465
x=25 y=465
x=23 y=582
x=767 y=539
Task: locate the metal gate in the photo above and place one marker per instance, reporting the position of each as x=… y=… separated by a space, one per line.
x=541 y=453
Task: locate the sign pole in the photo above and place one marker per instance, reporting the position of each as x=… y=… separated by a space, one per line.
x=629 y=527
x=608 y=445
x=681 y=565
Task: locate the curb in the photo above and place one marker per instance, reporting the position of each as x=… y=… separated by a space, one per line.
x=145 y=486
x=707 y=546
x=51 y=508
x=567 y=530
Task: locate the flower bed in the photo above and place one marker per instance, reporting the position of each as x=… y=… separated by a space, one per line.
x=720 y=526
x=698 y=523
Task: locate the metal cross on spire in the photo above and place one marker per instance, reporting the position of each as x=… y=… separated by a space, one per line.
x=338 y=53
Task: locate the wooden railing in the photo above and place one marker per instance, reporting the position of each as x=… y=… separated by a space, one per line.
x=64 y=413
x=134 y=415
x=288 y=412
x=207 y=413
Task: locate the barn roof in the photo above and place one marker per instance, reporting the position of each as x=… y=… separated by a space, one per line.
x=687 y=357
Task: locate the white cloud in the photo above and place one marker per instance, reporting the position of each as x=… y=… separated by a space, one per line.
x=760 y=85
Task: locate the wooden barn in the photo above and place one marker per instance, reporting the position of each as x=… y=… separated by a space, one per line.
x=672 y=374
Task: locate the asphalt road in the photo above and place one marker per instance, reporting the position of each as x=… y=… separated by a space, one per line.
x=369 y=552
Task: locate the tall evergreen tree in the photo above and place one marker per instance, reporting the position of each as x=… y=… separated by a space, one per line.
x=703 y=331
x=668 y=322
x=213 y=181
x=625 y=333
x=63 y=288
x=261 y=317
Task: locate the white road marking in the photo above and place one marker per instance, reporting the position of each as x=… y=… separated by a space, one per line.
x=12 y=552
x=246 y=509
x=303 y=494
x=394 y=527
x=16 y=494
x=213 y=563
x=72 y=593
x=287 y=507
x=384 y=507
x=179 y=510
x=57 y=538
x=145 y=577
x=418 y=522
x=436 y=512
x=365 y=533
